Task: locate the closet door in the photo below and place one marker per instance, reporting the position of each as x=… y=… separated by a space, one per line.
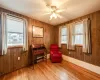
x=0 y=36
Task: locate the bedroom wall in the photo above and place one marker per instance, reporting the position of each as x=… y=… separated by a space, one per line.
x=9 y=62
x=93 y=58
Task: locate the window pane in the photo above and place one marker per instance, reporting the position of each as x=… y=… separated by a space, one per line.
x=15 y=29
x=78 y=28
x=14 y=26
x=64 y=39
x=15 y=39
x=79 y=39
x=64 y=31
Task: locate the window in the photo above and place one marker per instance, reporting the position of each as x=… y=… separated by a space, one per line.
x=15 y=31
x=64 y=35
x=76 y=34
x=79 y=33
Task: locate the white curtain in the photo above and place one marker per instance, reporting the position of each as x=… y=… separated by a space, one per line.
x=68 y=35
x=4 y=34
x=87 y=37
x=59 y=36
x=25 y=46
x=71 y=43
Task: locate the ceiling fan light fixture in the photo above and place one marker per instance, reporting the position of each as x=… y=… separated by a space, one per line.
x=53 y=15
x=53 y=12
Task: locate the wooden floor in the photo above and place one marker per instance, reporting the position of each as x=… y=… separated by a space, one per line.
x=52 y=71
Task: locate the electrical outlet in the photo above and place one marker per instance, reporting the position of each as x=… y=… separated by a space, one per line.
x=18 y=58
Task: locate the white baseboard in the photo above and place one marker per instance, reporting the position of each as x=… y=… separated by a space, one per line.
x=83 y=64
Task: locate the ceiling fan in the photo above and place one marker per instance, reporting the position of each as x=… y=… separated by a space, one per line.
x=54 y=11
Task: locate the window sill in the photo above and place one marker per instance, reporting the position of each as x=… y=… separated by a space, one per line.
x=64 y=43
x=10 y=47
x=78 y=45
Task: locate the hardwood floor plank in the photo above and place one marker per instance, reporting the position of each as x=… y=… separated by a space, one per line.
x=47 y=72
x=62 y=72
x=80 y=71
x=52 y=71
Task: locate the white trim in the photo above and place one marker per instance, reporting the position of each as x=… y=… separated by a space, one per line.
x=83 y=64
x=2 y=33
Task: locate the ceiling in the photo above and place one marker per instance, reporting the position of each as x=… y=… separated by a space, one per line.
x=36 y=8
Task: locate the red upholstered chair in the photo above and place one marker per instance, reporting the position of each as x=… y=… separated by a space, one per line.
x=55 y=54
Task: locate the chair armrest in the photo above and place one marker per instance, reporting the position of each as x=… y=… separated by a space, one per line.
x=51 y=52
x=60 y=52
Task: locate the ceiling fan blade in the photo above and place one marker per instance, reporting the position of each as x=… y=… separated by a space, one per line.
x=46 y=13
x=59 y=16
x=50 y=18
x=62 y=10
x=48 y=2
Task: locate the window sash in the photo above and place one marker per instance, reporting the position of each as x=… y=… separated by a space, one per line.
x=64 y=35
x=16 y=43
x=78 y=32
x=80 y=39
x=64 y=41
x=79 y=28
x=17 y=20
x=63 y=30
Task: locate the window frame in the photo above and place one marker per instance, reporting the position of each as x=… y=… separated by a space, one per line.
x=24 y=30
x=76 y=34
x=64 y=35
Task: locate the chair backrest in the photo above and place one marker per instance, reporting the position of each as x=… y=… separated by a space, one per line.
x=54 y=47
